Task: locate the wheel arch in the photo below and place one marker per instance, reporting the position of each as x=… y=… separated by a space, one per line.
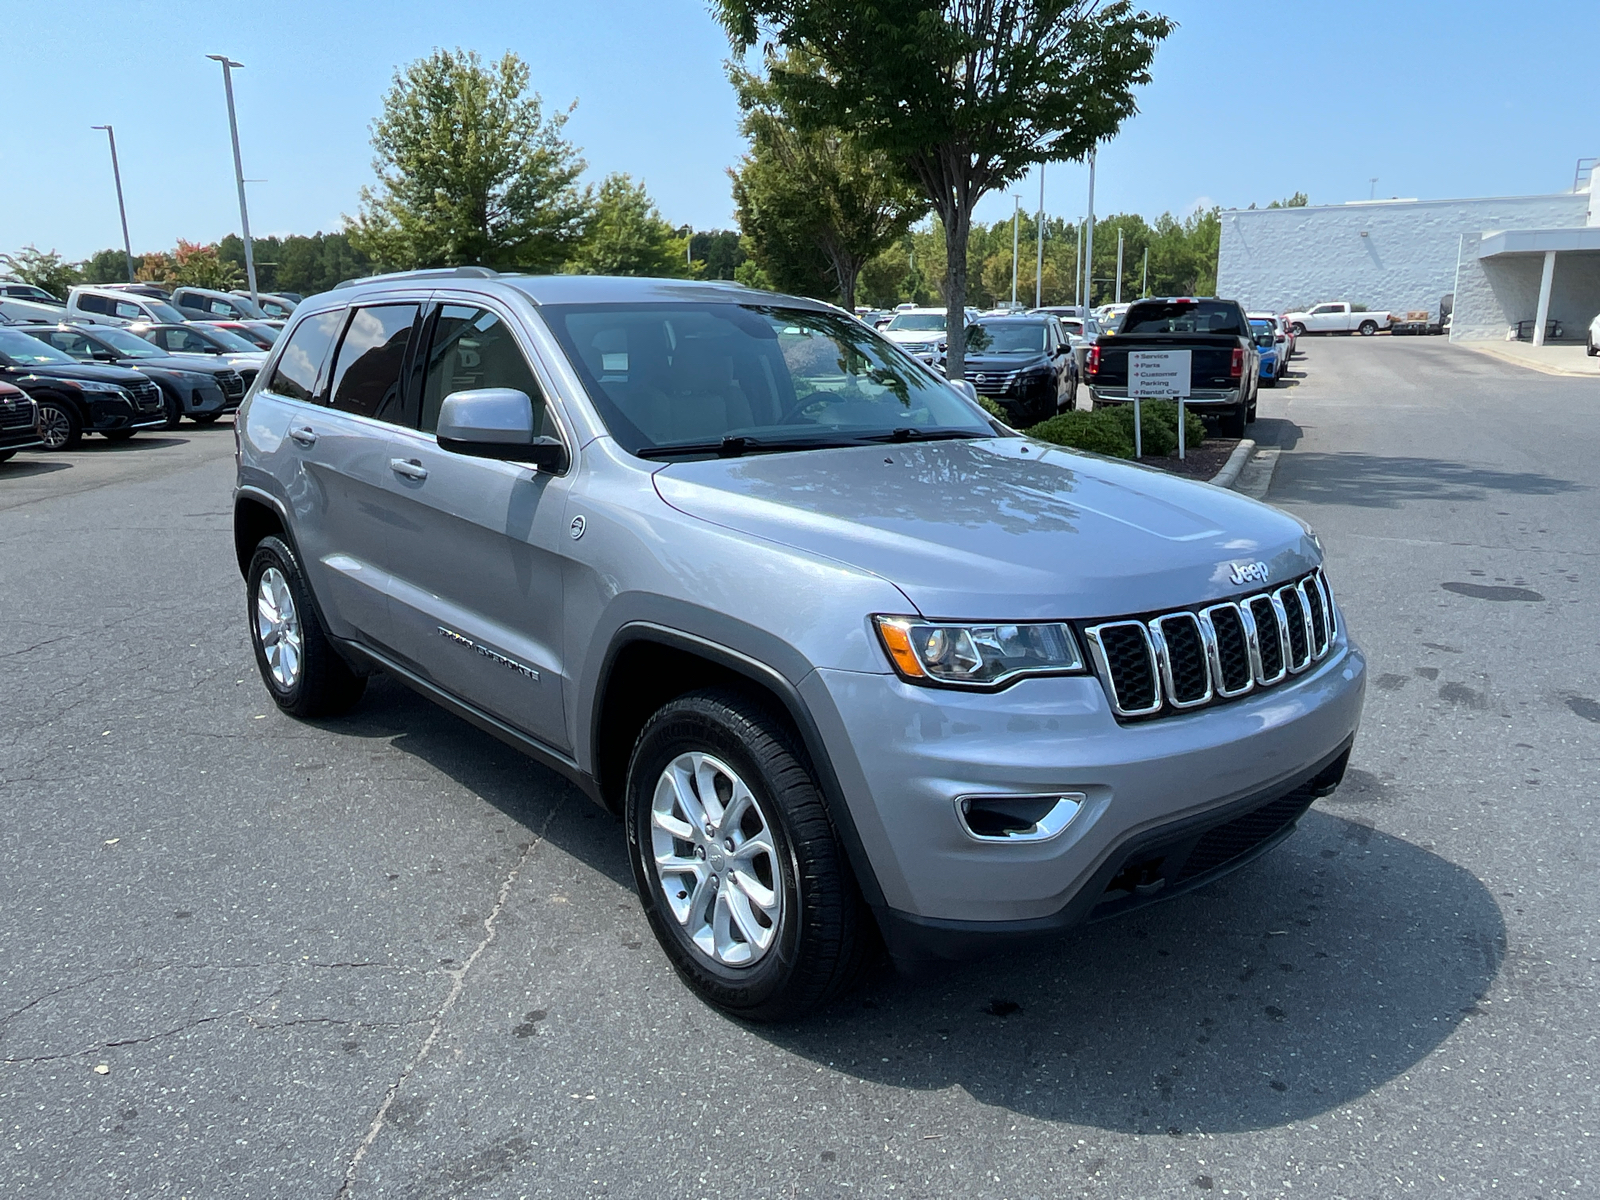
x=648 y=665
x=256 y=516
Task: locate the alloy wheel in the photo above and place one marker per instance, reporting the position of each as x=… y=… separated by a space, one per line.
x=278 y=628
x=716 y=861
x=55 y=426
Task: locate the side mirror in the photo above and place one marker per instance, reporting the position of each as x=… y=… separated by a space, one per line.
x=496 y=423
x=965 y=388
x=1264 y=340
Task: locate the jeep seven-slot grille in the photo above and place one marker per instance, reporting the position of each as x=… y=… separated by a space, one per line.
x=1182 y=660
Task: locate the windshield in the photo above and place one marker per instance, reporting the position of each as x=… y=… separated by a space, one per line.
x=128 y=345
x=736 y=378
x=1007 y=337
x=918 y=323
x=1183 y=316
x=24 y=348
x=162 y=311
x=228 y=340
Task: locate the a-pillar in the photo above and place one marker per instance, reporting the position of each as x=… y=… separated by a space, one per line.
x=1545 y=281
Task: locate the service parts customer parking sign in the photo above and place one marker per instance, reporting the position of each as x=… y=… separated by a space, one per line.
x=1158 y=374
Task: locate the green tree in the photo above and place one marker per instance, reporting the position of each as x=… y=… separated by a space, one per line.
x=627 y=236
x=195 y=265
x=823 y=184
x=1298 y=200
x=44 y=269
x=107 y=266
x=963 y=95
x=720 y=250
x=470 y=170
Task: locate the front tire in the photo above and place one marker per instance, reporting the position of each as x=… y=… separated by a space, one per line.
x=300 y=667
x=739 y=871
x=59 y=427
x=173 y=407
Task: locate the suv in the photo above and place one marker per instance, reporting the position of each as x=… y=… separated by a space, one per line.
x=76 y=398
x=846 y=656
x=201 y=389
x=19 y=422
x=117 y=306
x=207 y=304
x=222 y=346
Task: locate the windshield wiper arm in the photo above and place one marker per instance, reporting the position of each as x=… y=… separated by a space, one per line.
x=735 y=447
x=912 y=434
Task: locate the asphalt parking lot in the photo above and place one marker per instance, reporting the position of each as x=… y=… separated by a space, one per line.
x=242 y=956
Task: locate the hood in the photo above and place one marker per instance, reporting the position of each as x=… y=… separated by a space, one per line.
x=1006 y=363
x=1000 y=529
x=913 y=335
x=200 y=364
x=95 y=371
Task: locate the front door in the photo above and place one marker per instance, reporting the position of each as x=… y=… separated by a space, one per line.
x=477 y=596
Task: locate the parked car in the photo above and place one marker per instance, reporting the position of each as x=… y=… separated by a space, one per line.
x=918 y=331
x=192 y=385
x=1269 y=345
x=260 y=334
x=117 y=306
x=837 y=649
x=1110 y=316
x=1282 y=338
x=1061 y=310
x=1338 y=316
x=1024 y=364
x=273 y=305
x=27 y=312
x=1420 y=321
x=19 y=422
x=207 y=304
x=209 y=340
x=26 y=291
x=154 y=290
x=75 y=398
x=1224 y=355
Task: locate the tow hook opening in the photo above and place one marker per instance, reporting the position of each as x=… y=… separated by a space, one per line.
x=1144 y=878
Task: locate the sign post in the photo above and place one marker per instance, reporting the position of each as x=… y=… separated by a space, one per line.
x=1157 y=375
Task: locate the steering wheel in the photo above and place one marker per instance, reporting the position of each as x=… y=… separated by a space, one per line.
x=799 y=406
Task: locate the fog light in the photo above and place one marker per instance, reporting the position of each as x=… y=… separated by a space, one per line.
x=1018 y=818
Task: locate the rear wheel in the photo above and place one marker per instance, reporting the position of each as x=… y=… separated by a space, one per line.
x=741 y=876
x=1299 y=330
x=1368 y=328
x=1234 y=420
x=7 y=455
x=59 y=427
x=1592 y=348
x=300 y=667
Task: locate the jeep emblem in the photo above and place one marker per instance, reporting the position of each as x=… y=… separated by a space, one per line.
x=1251 y=572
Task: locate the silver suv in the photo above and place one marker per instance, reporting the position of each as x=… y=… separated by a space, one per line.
x=849 y=659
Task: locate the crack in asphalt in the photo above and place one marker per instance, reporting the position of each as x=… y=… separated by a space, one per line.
x=458 y=982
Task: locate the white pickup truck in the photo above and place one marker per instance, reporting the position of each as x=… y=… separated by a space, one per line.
x=1337 y=317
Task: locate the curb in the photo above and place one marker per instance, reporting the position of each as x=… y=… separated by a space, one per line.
x=1229 y=475
x=1493 y=351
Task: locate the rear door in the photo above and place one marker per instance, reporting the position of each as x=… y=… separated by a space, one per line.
x=477 y=594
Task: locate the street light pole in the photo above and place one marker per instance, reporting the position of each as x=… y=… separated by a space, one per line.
x=1038 y=267
x=1088 y=243
x=238 y=172
x=1016 y=216
x=122 y=209
x=1119 y=268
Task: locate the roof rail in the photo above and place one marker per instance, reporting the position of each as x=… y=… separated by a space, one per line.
x=425 y=273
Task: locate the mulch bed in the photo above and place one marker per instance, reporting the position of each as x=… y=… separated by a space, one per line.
x=1203 y=461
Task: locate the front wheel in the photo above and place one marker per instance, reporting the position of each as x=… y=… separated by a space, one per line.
x=173 y=408
x=1368 y=328
x=59 y=427
x=300 y=667
x=741 y=877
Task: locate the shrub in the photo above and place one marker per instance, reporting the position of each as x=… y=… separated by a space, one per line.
x=993 y=409
x=1159 y=419
x=1098 y=432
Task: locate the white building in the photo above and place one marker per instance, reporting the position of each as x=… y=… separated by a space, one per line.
x=1528 y=259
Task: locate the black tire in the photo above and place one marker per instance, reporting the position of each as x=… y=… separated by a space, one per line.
x=1368 y=328
x=7 y=455
x=821 y=936
x=1269 y=381
x=324 y=685
x=1234 y=420
x=59 y=425
x=119 y=435
x=1594 y=350
x=1299 y=329
x=205 y=418
x=173 y=407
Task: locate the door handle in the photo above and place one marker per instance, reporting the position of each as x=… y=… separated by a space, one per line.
x=409 y=467
x=305 y=435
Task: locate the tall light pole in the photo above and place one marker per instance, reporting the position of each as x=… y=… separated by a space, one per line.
x=1038 y=266
x=1118 y=300
x=1144 y=283
x=122 y=209
x=1372 y=192
x=1088 y=243
x=1077 y=270
x=1016 y=215
x=238 y=172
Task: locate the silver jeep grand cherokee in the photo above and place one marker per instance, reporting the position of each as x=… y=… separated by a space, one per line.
x=849 y=659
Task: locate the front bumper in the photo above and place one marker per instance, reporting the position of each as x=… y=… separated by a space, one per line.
x=905 y=755
x=1200 y=399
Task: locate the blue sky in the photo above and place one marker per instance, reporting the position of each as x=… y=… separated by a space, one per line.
x=1251 y=102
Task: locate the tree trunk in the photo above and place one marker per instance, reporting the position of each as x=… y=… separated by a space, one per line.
x=957 y=230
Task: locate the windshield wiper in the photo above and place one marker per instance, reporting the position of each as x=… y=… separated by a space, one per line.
x=735 y=447
x=912 y=434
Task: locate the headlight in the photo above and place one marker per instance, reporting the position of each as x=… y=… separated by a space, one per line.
x=94 y=385
x=970 y=655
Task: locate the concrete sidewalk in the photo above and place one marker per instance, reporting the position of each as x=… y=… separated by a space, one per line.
x=1552 y=360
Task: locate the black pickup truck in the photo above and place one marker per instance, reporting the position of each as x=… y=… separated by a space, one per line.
x=1224 y=355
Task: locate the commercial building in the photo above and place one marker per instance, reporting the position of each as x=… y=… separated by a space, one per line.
x=1515 y=265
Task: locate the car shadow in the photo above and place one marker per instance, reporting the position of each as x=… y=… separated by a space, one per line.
x=1276 y=431
x=1331 y=966
x=1334 y=964
x=19 y=468
x=143 y=441
x=1380 y=481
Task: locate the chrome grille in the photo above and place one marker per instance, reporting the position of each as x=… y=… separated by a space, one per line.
x=146 y=395
x=991 y=383
x=1182 y=660
x=18 y=413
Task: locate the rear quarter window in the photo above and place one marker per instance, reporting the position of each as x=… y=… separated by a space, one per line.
x=295 y=374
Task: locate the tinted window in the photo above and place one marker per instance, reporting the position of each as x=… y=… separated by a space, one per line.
x=918 y=323
x=295 y=375
x=94 y=304
x=1007 y=337
x=473 y=348
x=1184 y=316
x=366 y=380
